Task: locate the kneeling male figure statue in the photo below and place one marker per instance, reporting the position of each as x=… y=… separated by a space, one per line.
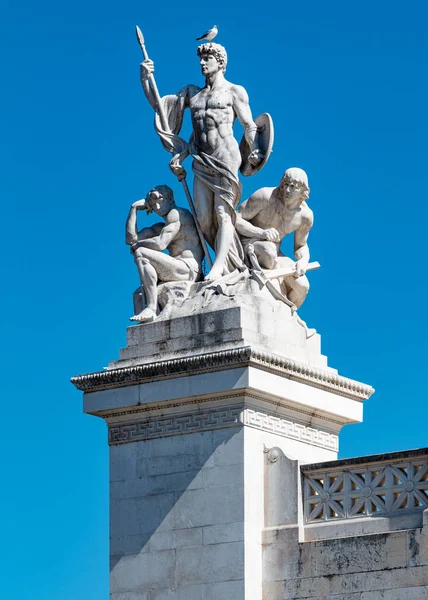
x=269 y=215
x=177 y=234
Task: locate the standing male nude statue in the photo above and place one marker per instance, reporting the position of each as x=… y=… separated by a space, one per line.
x=268 y=216
x=215 y=152
x=177 y=234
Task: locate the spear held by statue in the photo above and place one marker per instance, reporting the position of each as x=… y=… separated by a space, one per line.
x=167 y=131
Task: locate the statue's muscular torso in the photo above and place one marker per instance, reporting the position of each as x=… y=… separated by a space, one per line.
x=266 y=209
x=213 y=115
x=186 y=243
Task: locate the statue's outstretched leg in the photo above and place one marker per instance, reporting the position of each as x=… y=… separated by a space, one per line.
x=154 y=266
x=149 y=280
x=267 y=254
x=224 y=240
x=297 y=289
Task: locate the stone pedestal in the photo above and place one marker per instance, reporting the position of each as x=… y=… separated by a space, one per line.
x=191 y=406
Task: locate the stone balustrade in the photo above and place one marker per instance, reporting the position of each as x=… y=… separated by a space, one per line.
x=389 y=485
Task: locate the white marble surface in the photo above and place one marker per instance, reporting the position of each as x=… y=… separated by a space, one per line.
x=184 y=527
x=214 y=106
x=177 y=234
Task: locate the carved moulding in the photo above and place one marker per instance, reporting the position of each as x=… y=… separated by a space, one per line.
x=243 y=356
x=291 y=430
x=231 y=416
x=163 y=426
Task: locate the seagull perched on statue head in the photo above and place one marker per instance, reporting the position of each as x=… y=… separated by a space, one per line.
x=209 y=35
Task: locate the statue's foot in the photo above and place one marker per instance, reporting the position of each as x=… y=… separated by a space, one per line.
x=310 y=331
x=214 y=274
x=145 y=316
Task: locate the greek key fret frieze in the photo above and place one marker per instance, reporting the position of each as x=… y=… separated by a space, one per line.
x=155 y=427
x=291 y=430
x=178 y=424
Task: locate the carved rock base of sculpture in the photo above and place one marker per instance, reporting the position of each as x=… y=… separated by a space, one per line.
x=231 y=313
x=170 y=295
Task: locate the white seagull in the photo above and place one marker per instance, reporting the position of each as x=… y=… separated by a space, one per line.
x=209 y=35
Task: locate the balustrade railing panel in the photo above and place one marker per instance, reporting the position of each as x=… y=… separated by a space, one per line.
x=385 y=488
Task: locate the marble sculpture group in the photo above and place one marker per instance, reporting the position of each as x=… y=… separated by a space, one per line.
x=245 y=238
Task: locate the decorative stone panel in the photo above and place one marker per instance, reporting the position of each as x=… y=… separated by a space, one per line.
x=215 y=361
x=156 y=427
x=162 y=426
x=291 y=430
x=384 y=488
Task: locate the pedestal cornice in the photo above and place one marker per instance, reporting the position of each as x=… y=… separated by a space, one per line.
x=225 y=359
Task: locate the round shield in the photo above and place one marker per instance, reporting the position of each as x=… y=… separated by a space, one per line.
x=265 y=138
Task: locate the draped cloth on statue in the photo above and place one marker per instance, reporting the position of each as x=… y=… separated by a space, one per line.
x=207 y=168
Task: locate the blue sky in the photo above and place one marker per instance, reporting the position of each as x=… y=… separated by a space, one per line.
x=346 y=86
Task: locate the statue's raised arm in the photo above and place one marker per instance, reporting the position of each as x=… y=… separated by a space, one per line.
x=147 y=68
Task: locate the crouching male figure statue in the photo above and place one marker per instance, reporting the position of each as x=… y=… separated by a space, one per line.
x=178 y=235
x=267 y=217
